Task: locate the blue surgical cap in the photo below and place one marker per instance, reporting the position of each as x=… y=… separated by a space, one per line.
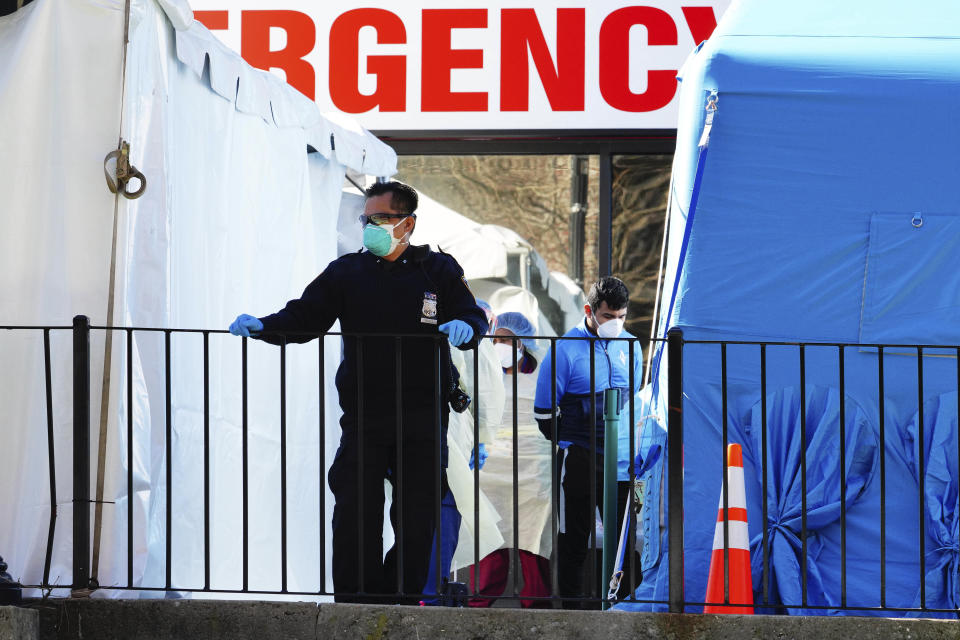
x=517 y=324
x=491 y=317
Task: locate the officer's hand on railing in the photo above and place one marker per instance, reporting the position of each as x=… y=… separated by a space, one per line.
x=457 y=331
x=246 y=325
x=483 y=456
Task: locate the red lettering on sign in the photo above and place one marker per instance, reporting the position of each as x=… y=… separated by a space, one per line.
x=391 y=71
x=615 y=59
x=701 y=21
x=213 y=20
x=563 y=84
x=301 y=36
x=439 y=59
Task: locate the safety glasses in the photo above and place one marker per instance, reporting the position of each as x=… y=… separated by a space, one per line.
x=381 y=218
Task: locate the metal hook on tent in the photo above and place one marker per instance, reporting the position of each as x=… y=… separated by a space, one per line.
x=712 y=102
x=711 y=109
x=614 y=586
x=917 y=220
x=124 y=173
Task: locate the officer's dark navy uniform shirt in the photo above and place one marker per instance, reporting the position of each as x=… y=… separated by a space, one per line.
x=415 y=294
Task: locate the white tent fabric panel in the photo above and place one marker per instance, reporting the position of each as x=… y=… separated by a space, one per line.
x=246 y=219
x=236 y=217
x=55 y=246
x=50 y=165
x=569 y=295
x=263 y=94
x=481 y=255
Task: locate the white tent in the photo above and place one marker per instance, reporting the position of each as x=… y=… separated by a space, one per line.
x=236 y=216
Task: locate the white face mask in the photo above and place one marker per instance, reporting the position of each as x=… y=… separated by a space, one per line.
x=505 y=353
x=609 y=329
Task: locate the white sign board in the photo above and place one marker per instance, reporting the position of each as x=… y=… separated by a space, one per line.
x=592 y=64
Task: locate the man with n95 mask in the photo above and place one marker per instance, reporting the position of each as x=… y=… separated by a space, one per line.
x=579 y=408
x=392 y=288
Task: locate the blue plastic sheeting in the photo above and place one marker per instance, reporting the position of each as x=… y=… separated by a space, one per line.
x=623 y=442
x=820 y=503
x=828 y=213
x=941 y=502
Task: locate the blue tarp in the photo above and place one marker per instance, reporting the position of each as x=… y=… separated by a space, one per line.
x=829 y=212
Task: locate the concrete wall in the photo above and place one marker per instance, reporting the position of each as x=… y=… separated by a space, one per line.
x=222 y=620
x=19 y=624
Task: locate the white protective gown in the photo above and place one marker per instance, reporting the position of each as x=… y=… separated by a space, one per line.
x=534 y=486
x=489 y=403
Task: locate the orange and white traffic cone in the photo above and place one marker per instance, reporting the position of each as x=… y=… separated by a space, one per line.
x=740 y=583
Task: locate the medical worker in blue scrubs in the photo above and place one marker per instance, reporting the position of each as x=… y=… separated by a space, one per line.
x=579 y=418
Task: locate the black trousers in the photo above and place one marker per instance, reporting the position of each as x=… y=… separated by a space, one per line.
x=361 y=573
x=579 y=518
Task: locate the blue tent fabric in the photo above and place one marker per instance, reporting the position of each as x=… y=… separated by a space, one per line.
x=652 y=441
x=827 y=213
x=941 y=500
x=823 y=484
x=651 y=445
x=646 y=448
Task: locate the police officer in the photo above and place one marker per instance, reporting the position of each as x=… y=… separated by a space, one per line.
x=391 y=288
x=578 y=416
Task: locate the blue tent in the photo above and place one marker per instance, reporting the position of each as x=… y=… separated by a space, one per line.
x=827 y=211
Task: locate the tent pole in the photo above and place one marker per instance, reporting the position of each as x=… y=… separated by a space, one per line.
x=104 y=405
x=108 y=338
x=656 y=300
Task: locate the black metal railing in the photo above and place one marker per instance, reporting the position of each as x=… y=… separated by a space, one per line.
x=677 y=471
x=862 y=375
x=84 y=579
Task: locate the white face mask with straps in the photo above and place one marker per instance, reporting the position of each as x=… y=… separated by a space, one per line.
x=505 y=354
x=610 y=329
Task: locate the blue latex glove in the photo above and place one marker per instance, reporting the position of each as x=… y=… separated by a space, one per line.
x=483 y=455
x=458 y=331
x=246 y=325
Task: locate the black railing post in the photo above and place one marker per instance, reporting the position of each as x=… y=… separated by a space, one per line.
x=81 y=453
x=675 y=465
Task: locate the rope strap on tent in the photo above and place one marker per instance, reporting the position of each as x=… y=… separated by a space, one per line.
x=614 y=586
x=704 y=145
x=124 y=172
